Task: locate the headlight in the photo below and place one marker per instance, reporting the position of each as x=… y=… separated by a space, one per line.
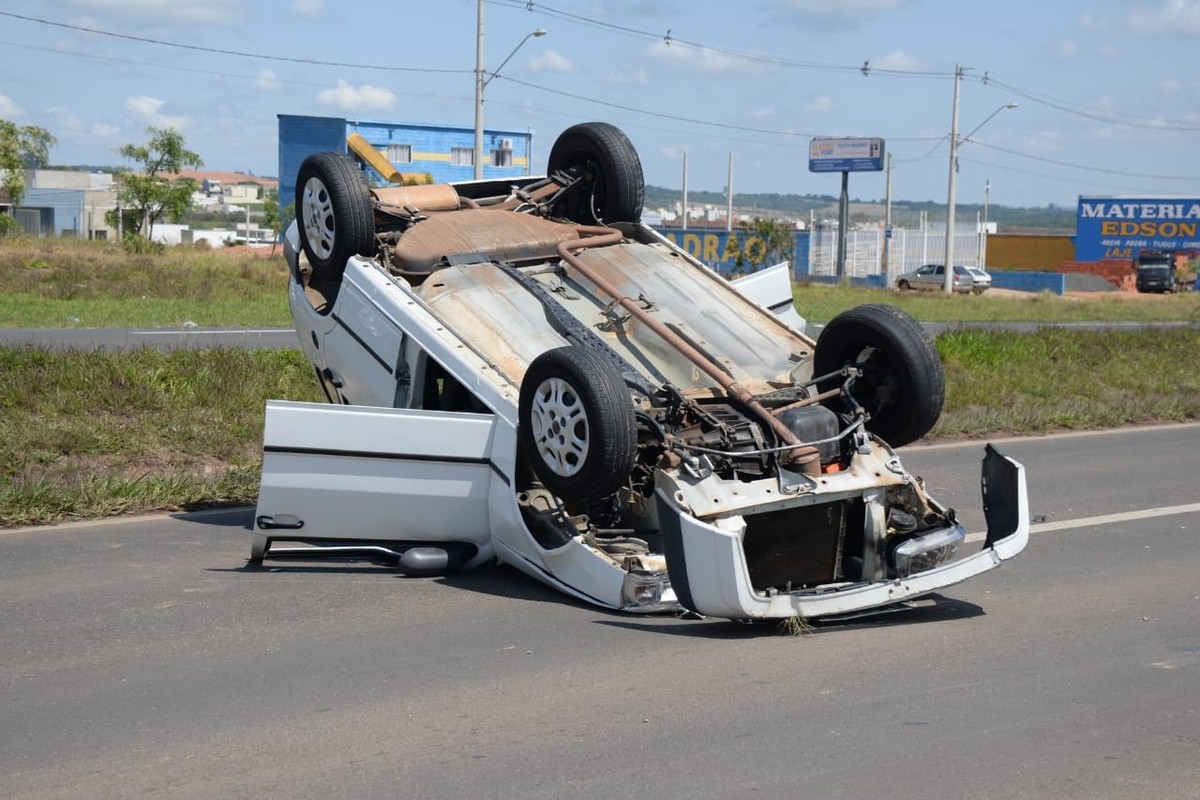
x=647 y=591
x=928 y=551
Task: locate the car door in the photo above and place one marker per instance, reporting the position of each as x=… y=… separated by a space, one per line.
x=930 y=276
x=388 y=474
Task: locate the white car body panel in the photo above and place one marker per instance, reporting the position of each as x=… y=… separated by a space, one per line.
x=402 y=459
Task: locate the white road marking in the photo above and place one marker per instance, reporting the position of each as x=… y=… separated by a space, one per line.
x=1049 y=437
x=1103 y=519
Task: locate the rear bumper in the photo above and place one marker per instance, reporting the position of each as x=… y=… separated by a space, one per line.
x=709 y=573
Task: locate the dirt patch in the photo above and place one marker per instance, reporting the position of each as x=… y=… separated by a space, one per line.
x=1119 y=296
x=249 y=250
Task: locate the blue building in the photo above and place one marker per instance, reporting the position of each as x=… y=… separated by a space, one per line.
x=445 y=152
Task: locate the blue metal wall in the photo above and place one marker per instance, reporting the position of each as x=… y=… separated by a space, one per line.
x=714 y=249
x=431 y=145
x=300 y=136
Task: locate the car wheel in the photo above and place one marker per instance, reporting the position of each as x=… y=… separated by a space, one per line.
x=903 y=385
x=333 y=209
x=576 y=423
x=904 y=286
x=612 y=189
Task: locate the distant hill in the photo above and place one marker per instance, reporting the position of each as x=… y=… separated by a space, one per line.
x=905 y=213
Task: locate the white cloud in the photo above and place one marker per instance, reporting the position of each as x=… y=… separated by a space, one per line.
x=148 y=107
x=9 y=109
x=899 y=61
x=308 y=8
x=209 y=12
x=1065 y=49
x=767 y=112
x=1093 y=24
x=551 y=61
x=1174 y=16
x=64 y=121
x=673 y=152
x=637 y=77
x=819 y=104
x=267 y=81
x=102 y=130
x=823 y=14
x=1169 y=86
x=692 y=58
x=357 y=99
x=1110 y=50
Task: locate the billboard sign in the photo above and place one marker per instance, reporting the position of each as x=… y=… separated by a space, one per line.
x=859 y=154
x=1120 y=227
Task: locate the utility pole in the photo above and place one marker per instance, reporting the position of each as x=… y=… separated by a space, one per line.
x=948 y=264
x=886 y=267
x=729 y=198
x=987 y=185
x=478 y=153
x=685 y=179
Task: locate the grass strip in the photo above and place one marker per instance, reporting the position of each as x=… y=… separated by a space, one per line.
x=91 y=434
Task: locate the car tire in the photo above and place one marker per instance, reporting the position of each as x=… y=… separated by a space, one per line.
x=903 y=286
x=903 y=385
x=613 y=187
x=576 y=424
x=333 y=214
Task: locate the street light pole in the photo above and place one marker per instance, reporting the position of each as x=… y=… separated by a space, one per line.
x=478 y=153
x=955 y=141
x=481 y=84
x=948 y=263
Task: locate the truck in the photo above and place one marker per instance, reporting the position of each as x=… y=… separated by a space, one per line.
x=1155 y=271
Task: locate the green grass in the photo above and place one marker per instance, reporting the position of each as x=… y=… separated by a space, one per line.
x=820 y=303
x=1058 y=379
x=61 y=284
x=53 y=283
x=88 y=434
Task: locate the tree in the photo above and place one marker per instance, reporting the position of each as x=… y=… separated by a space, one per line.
x=766 y=241
x=150 y=193
x=275 y=219
x=22 y=147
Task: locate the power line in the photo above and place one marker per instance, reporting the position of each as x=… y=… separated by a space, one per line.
x=1085 y=166
x=667 y=37
x=1075 y=109
x=223 y=52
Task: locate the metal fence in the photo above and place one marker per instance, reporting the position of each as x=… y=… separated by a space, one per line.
x=907 y=250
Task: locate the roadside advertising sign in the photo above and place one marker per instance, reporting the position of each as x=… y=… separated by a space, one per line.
x=858 y=154
x=1120 y=227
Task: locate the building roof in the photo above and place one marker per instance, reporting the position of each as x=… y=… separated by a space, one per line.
x=230 y=178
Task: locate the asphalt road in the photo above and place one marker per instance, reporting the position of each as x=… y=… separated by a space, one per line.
x=142 y=657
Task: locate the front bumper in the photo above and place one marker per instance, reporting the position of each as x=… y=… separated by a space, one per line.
x=710 y=576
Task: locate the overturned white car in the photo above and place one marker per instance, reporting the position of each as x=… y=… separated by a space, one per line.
x=522 y=371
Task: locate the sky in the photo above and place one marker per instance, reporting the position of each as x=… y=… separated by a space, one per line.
x=1107 y=92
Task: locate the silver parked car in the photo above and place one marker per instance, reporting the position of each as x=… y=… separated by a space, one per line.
x=933 y=276
x=521 y=371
